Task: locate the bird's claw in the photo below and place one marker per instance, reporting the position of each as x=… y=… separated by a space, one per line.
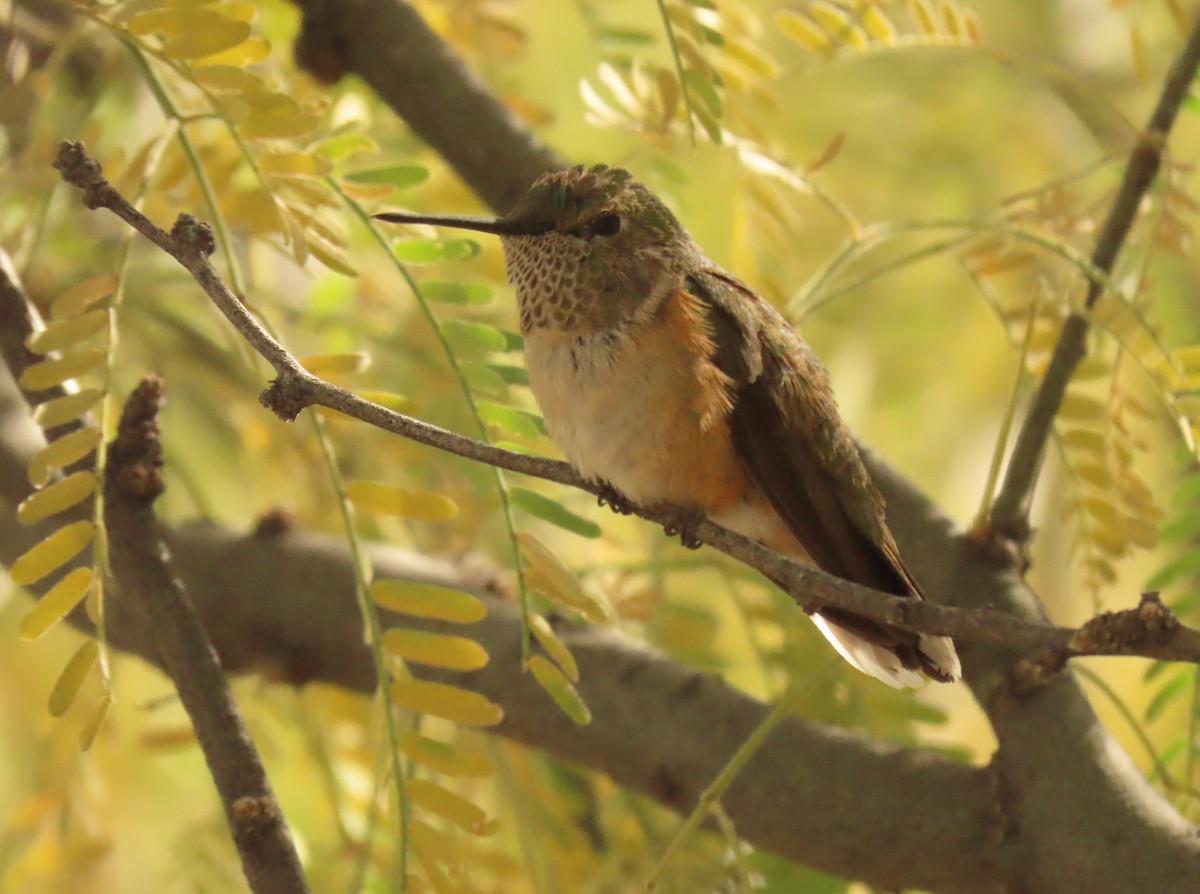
x=615 y=500
x=684 y=522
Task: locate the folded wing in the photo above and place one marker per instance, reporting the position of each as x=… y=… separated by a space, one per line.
x=790 y=438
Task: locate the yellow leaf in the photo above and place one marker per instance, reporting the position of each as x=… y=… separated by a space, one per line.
x=168 y=738
x=293 y=232
x=451 y=703
x=367 y=192
x=952 y=19
x=972 y=27
x=330 y=255
x=375 y=496
x=68 y=449
x=559 y=582
x=66 y=408
x=397 y=403
x=923 y=15
x=554 y=646
x=248 y=52
x=437 y=649
x=279 y=126
x=336 y=364
x=428 y=601
x=167 y=20
x=433 y=846
x=1096 y=474
x=49 y=373
x=803 y=31
x=1085 y=440
x=72 y=677
x=559 y=688
x=1082 y=408
x=295 y=164
x=751 y=56
x=1188 y=359
x=60 y=495
x=51 y=553
x=218 y=37
x=227 y=77
x=450 y=806
x=442 y=757
x=83 y=295
x=876 y=24
x=93 y=722
x=236 y=10
x=56 y=603
x=68 y=331
x=837 y=23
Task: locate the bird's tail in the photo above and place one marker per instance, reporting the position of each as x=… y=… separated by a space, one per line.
x=898 y=667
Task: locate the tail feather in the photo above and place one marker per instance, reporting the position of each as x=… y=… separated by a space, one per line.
x=935 y=653
x=939 y=657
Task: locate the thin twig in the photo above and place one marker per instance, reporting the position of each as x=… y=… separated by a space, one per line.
x=139 y=564
x=1010 y=513
x=190 y=243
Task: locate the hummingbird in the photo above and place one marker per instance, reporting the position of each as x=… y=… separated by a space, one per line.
x=665 y=379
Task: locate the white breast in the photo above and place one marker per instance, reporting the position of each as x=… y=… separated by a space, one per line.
x=597 y=401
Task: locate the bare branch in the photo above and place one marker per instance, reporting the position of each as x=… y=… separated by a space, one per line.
x=139 y=562
x=1010 y=512
x=190 y=243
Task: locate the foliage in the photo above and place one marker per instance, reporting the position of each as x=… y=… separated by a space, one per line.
x=868 y=227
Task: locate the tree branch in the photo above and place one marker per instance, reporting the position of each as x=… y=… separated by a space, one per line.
x=1151 y=631
x=1010 y=511
x=133 y=480
x=281 y=602
x=388 y=45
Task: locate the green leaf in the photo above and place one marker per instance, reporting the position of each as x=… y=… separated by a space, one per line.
x=474 y=336
x=521 y=423
x=1155 y=670
x=628 y=36
x=433 y=251
x=559 y=688
x=554 y=512
x=703 y=88
x=1187 y=564
x=513 y=375
x=1168 y=694
x=513 y=341
x=399 y=176
x=483 y=379
x=471 y=293
x=345 y=144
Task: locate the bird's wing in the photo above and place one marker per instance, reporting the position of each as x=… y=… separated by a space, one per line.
x=788 y=435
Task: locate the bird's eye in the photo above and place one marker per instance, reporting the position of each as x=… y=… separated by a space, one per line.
x=606 y=225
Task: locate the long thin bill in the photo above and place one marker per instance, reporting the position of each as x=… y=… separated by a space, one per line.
x=498 y=226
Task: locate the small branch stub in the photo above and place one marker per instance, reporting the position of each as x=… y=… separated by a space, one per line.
x=135 y=456
x=287 y=396
x=193 y=235
x=1150 y=624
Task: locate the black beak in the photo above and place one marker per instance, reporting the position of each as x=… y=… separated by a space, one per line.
x=498 y=226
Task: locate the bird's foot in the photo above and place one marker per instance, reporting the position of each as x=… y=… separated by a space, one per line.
x=615 y=500
x=683 y=522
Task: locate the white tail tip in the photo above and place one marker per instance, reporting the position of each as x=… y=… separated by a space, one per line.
x=871 y=658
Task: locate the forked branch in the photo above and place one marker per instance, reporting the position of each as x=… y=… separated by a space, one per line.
x=1010 y=511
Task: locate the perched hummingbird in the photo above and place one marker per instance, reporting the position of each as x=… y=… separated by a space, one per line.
x=667 y=380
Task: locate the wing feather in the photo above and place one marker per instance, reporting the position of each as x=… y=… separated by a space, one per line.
x=790 y=438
